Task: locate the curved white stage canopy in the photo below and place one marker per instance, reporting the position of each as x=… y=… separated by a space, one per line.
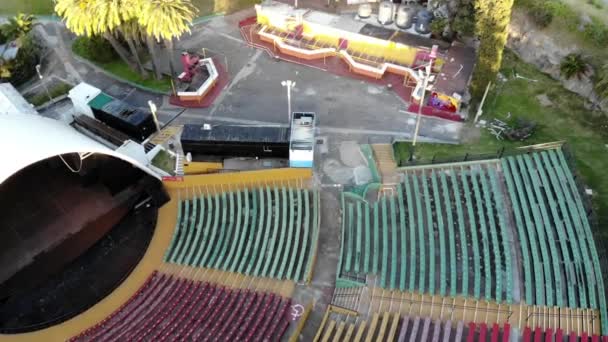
x=26 y=139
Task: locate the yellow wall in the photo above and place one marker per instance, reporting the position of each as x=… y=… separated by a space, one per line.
x=240 y=180
x=194 y=168
x=370 y=46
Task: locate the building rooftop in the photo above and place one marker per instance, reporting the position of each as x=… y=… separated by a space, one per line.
x=11 y=101
x=236 y=133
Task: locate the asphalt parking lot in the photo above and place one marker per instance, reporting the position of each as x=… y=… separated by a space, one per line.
x=255 y=95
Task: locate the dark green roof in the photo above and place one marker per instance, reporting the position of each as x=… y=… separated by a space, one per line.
x=100 y=100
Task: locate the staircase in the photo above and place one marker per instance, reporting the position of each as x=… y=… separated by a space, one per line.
x=179 y=164
x=387 y=166
x=165 y=134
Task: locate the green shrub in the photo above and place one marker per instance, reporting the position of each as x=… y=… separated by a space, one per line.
x=596 y=32
x=95 y=49
x=3 y=37
x=464 y=21
x=23 y=67
x=438 y=25
x=564 y=14
x=542 y=13
x=572 y=65
x=596 y=3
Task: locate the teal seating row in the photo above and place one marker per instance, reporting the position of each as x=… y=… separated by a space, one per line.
x=586 y=232
x=561 y=266
x=463 y=236
x=485 y=241
x=420 y=237
x=473 y=232
x=488 y=202
x=522 y=226
x=261 y=232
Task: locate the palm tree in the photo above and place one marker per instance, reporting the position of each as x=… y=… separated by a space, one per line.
x=92 y=17
x=133 y=35
x=18 y=27
x=119 y=16
x=573 y=64
x=165 y=20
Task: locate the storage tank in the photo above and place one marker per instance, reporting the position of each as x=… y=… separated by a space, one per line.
x=405 y=16
x=385 y=13
x=423 y=21
x=365 y=11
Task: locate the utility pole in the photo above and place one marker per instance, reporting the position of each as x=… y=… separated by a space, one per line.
x=483 y=100
x=425 y=83
x=43 y=84
x=289 y=84
x=153 y=110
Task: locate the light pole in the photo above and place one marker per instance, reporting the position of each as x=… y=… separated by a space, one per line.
x=427 y=74
x=153 y=110
x=425 y=84
x=289 y=84
x=41 y=81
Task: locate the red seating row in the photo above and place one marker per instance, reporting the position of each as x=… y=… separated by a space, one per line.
x=540 y=335
x=171 y=308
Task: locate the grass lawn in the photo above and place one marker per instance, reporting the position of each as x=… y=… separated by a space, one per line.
x=586 y=132
x=164 y=161
x=55 y=90
x=26 y=6
x=120 y=69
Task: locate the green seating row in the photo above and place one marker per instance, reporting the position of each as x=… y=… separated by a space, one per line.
x=421 y=234
x=558 y=224
x=474 y=238
x=568 y=238
x=485 y=241
x=429 y=234
x=530 y=219
x=463 y=236
x=487 y=195
x=546 y=231
x=502 y=222
x=538 y=225
x=394 y=242
x=578 y=224
x=451 y=237
x=412 y=227
x=262 y=232
x=586 y=232
x=403 y=231
x=428 y=208
x=522 y=233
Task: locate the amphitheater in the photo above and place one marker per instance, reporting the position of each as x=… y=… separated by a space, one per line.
x=491 y=250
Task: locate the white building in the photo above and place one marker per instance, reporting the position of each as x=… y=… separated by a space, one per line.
x=11 y=102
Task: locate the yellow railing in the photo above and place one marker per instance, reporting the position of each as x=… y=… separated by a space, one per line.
x=241 y=180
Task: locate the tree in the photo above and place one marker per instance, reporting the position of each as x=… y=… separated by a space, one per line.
x=114 y=17
x=133 y=35
x=572 y=65
x=492 y=21
x=18 y=27
x=165 y=20
x=95 y=17
x=21 y=68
